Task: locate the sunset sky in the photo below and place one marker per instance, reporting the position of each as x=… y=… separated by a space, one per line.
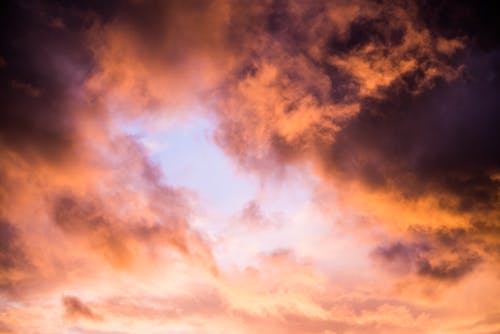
x=240 y=167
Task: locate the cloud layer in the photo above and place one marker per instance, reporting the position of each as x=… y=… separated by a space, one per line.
x=377 y=120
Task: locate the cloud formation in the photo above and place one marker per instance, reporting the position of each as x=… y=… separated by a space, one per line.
x=75 y=308
x=385 y=111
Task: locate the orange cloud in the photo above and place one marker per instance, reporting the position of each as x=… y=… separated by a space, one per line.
x=392 y=107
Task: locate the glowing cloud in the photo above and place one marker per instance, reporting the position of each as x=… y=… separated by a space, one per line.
x=238 y=167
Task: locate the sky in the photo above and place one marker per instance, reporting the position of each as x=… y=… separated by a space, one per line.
x=268 y=166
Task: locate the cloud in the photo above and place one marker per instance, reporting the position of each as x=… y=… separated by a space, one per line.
x=10 y=250
x=26 y=88
x=441 y=253
x=13 y=259
x=391 y=104
x=159 y=56
x=66 y=174
x=393 y=141
x=252 y=216
x=38 y=88
x=75 y=309
x=295 y=88
x=117 y=239
x=4 y=329
x=203 y=302
x=388 y=99
x=427 y=262
x=366 y=99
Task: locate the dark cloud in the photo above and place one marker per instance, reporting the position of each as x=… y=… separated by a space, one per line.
x=162 y=26
x=10 y=251
x=475 y=20
x=441 y=141
x=42 y=68
x=45 y=61
x=448 y=270
x=13 y=258
x=75 y=309
x=424 y=260
x=393 y=94
x=366 y=30
x=427 y=123
x=319 y=64
x=443 y=254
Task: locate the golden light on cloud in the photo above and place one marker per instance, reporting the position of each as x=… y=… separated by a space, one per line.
x=213 y=166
